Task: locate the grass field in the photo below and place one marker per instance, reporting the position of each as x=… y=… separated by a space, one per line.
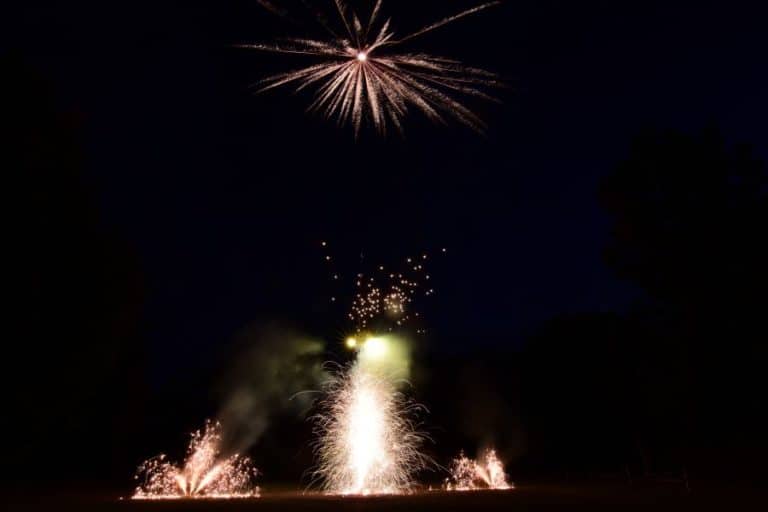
x=523 y=498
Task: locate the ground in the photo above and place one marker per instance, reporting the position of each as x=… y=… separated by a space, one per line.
x=525 y=498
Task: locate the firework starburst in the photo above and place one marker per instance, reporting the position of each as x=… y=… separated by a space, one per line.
x=365 y=74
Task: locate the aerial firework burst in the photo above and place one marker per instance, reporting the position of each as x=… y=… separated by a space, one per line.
x=385 y=296
x=363 y=73
x=485 y=473
x=368 y=440
x=204 y=474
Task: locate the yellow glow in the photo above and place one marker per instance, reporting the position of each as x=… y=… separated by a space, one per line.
x=384 y=354
x=351 y=343
x=375 y=348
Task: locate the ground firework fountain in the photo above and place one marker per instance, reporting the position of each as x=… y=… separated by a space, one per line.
x=368 y=436
x=368 y=432
x=205 y=473
x=485 y=473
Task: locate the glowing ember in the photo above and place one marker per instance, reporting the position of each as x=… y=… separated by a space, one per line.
x=470 y=475
x=361 y=75
x=387 y=297
x=368 y=438
x=205 y=473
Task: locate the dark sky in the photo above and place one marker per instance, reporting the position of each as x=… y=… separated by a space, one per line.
x=225 y=195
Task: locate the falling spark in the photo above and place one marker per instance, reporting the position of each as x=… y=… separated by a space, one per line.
x=204 y=474
x=484 y=473
x=385 y=297
x=368 y=438
x=362 y=75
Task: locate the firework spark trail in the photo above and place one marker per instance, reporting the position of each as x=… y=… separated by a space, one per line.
x=271 y=7
x=205 y=473
x=485 y=473
x=362 y=77
x=448 y=20
x=368 y=440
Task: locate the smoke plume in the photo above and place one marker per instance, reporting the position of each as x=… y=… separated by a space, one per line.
x=272 y=370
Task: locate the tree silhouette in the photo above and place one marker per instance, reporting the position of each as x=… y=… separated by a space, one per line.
x=690 y=229
x=578 y=383
x=690 y=219
x=74 y=365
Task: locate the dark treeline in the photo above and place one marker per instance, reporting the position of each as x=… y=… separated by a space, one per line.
x=674 y=388
x=73 y=365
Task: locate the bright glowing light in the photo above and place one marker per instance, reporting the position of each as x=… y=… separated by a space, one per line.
x=351 y=343
x=388 y=355
x=363 y=77
x=375 y=348
x=485 y=473
x=368 y=442
x=205 y=473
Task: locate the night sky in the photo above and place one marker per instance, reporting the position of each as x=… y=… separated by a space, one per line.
x=225 y=195
x=222 y=197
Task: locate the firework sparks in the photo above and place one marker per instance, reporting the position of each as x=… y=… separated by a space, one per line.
x=390 y=298
x=204 y=474
x=363 y=75
x=484 y=473
x=385 y=297
x=368 y=441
